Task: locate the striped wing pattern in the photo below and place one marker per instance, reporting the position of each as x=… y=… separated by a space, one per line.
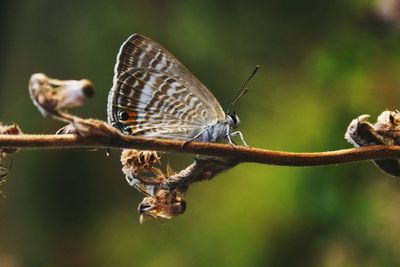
x=155 y=95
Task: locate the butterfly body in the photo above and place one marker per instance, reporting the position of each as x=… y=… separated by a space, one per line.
x=154 y=95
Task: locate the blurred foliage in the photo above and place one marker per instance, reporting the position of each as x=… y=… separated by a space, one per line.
x=324 y=63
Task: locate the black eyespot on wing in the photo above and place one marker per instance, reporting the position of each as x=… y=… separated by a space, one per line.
x=127 y=129
x=123 y=115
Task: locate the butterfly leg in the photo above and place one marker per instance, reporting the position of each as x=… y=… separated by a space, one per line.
x=231 y=142
x=228 y=136
x=240 y=135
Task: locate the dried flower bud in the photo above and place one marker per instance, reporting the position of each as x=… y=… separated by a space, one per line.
x=164 y=191
x=165 y=204
x=388 y=126
x=137 y=165
x=51 y=95
x=9 y=130
x=135 y=161
x=361 y=133
x=388 y=11
x=384 y=132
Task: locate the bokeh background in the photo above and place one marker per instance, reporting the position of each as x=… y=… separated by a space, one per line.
x=323 y=64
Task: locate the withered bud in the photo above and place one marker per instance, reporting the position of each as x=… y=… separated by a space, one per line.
x=165 y=204
x=388 y=120
x=12 y=129
x=388 y=11
x=135 y=161
x=384 y=132
x=361 y=132
x=388 y=126
x=51 y=95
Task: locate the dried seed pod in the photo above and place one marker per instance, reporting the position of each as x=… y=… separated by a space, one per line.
x=138 y=165
x=388 y=11
x=164 y=191
x=361 y=133
x=388 y=126
x=384 y=132
x=165 y=204
x=52 y=95
x=135 y=161
x=12 y=129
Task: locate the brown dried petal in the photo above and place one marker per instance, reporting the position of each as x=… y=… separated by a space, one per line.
x=165 y=204
x=135 y=161
x=388 y=126
x=384 y=132
x=164 y=191
x=387 y=120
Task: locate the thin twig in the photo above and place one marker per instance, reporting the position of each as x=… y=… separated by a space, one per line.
x=241 y=153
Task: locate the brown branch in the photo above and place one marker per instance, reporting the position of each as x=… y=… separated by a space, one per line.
x=164 y=192
x=241 y=153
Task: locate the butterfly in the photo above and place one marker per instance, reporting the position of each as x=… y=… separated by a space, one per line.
x=155 y=95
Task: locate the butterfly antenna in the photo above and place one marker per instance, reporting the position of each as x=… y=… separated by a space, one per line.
x=243 y=89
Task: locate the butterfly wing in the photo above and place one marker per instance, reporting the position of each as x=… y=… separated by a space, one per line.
x=157 y=95
x=155 y=104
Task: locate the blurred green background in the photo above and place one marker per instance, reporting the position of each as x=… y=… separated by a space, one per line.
x=323 y=64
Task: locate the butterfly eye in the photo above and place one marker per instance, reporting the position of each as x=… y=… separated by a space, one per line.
x=235 y=121
x=123 y=115
x=233 y=117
